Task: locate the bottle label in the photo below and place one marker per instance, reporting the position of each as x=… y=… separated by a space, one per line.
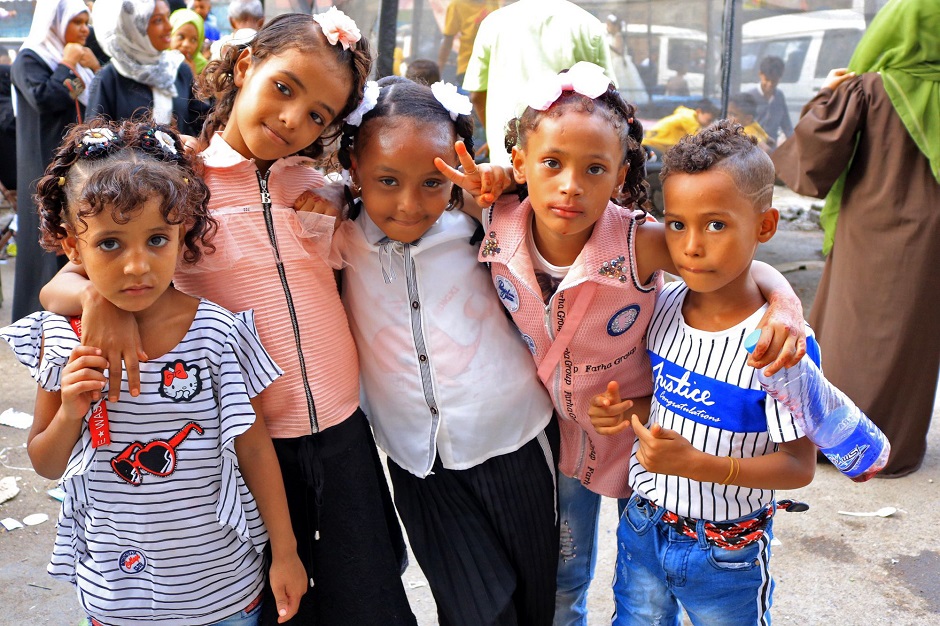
x=859 y=451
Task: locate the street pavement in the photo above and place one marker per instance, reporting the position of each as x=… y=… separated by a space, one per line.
x=830 y=568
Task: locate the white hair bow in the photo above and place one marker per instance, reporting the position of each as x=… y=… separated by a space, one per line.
x=584 y=78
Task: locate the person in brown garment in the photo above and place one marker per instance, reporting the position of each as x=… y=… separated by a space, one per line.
x=870 y=143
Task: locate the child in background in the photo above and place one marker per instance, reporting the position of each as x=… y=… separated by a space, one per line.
x=742 y=109
x=188 y=36
x=450 y=389
x=684 y=121
x=579 y=275
x=705 y=464
x=424 y=71
x=184 y=469
x=279 y=102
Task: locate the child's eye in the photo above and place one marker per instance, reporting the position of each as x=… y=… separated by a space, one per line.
x=715 y=226
x=675 y=226
x=317 y=118
x=158 y=241
x=388 y=182
x=109 y=245
x=433 y=184
x=284 y=89
x=597 y=170
x=552 y=163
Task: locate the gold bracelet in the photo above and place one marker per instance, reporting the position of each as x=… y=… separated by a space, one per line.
x=730 y=472
x=737 y=470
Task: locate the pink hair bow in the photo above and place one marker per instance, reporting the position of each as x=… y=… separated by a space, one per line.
x=584 y=78
x=338 y=28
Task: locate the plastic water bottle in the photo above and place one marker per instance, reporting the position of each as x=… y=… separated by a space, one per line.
x=828 y=417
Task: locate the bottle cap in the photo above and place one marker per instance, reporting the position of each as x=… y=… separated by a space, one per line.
x=750 y=342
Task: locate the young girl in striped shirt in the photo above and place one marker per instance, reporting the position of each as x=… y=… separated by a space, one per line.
x=171 y=495
x=279 y=100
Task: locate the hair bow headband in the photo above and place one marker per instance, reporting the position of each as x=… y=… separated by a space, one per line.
x=584 y=78
x=370 y=98
x=455 y=102
x=338 y=28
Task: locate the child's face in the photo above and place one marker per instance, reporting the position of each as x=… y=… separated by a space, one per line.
x=402 y=191
x=131 y=264
x=767 y=85
x=159 y=29
x=735 y=114
x=712 y=230
x=185 y=39
x=284 y=103
x=704 y=118
x=201 y=7
x=572 y=165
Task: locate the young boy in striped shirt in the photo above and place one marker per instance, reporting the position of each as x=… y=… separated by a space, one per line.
x=706 y=462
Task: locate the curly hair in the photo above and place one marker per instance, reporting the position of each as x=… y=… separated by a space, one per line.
x=296 y=31
x=124 y=165
x=621 y=115
x=402 y=97
x=725 y=146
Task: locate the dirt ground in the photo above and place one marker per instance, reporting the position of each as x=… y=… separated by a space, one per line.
x=829 y=567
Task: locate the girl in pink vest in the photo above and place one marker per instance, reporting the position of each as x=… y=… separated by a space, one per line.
x=579 y=275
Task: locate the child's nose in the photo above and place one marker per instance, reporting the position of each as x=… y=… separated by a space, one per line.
x=136 y=263
x=693 y=245
x=571 y=184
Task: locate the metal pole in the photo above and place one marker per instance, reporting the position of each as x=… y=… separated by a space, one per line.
x=388 y=27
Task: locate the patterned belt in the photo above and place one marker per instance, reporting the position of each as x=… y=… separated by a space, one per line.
x=727 y=535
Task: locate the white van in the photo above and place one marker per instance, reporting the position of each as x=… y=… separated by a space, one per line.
x=810 y=45
x=662 y=52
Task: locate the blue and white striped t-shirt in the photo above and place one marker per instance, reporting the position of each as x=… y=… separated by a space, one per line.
x=159 y=525
x=704 y=389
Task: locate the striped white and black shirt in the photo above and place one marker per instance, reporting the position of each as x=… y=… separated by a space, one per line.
x=704 y=390
x=158 y=525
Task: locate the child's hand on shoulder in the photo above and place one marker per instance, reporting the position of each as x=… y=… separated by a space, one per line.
x=288 y=583
x=661 y=450
x=484 y=181
x=82 y=381
x=782 y=340
x=326 y=200
x=608 y=412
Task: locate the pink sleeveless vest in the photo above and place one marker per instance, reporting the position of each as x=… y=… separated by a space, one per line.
x=607 y=310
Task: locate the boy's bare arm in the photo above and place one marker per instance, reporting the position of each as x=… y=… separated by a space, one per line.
x=105 y=326
x=258 y=464
x=666 y=452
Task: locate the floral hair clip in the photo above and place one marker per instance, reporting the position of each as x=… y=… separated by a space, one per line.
x=98 y=142
x=584 y=78
x=455 y=102
x=160 y=144
x=370 y=98
x=338 y=28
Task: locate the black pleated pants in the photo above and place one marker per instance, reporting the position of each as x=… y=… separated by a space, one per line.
x=487 y=537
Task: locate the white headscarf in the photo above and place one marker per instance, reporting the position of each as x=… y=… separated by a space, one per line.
x=121 y=29
x=47 y=35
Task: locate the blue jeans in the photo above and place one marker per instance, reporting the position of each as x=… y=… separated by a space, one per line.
x=658 y=568
x=579 y=512
x=244 y=618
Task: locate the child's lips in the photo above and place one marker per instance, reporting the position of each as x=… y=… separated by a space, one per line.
x=274 y=135
x=566 y=211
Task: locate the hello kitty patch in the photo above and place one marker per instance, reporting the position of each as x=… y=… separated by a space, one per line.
x=180 y=382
